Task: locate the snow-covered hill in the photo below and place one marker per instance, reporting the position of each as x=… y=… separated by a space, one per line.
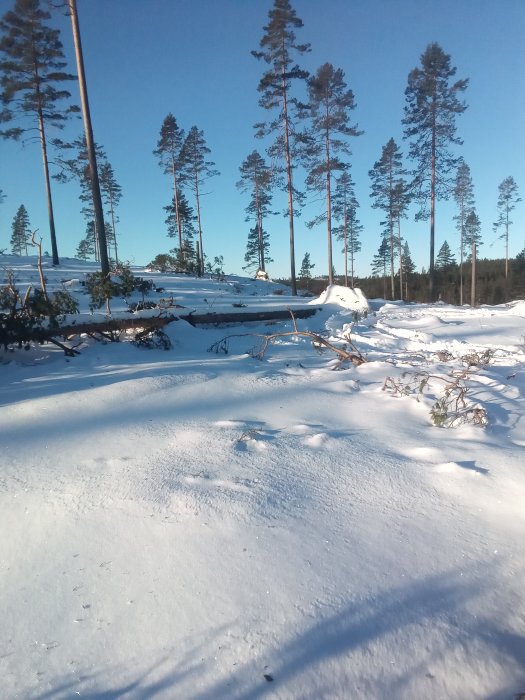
x=185 y=524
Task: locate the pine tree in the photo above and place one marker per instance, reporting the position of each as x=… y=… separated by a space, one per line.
x=278 y=48
x=445 y=258
x=90 y=143
x=21 y=232
x=380 y=262
x=330 y=105
x=389 y=193
x=31 y=73
x=256 y=178
x=507 y=199
x=168 y=151
x=473 y=241
x=432 y=104
x=196 y=170
x=464 y=196
x=111 y=194
x=344 y=210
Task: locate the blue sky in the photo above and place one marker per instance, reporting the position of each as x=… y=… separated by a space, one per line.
x=192 y=58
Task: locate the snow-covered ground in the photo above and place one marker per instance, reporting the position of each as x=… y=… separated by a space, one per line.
x=185 y=524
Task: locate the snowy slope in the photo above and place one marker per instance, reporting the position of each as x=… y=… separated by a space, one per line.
x=182 y=524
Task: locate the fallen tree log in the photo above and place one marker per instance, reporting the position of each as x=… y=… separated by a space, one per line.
x=41 y=334
x=246 y=316
x=12 y=333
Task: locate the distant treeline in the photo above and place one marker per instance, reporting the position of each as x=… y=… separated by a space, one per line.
x=491 y=286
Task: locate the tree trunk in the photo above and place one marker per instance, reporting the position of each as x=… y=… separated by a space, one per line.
x=176 y=200
x=400 y=249
x=462 y=244
x=293 y=281
x=431 y=272
x=329 y=207
x=473 y=281
x=197 y=202
x=90 y=143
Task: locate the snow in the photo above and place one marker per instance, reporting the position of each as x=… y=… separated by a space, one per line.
x=185 y=524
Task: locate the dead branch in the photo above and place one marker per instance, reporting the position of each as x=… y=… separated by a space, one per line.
x=355 y=357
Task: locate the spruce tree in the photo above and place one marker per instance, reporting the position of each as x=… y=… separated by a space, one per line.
x=408 y=266
x=257 y=179
x=279 y=49
x=184 y=217
x=432 y=104
x=168 y=151
x=464 y=196
x=31 y=83
x=257 y=250
x=507 y=199
x=196 y=170
x=380 y=262
x=330 y=103
x=21 y=232
x=306 y=267
x=445 y=258
x=87 y=246
x=344 y=211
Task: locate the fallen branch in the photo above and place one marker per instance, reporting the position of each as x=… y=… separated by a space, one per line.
x=355 y=357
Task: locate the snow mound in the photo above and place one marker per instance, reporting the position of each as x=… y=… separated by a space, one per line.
x=343 y=296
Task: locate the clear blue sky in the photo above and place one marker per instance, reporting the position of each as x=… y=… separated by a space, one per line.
x=192 y=58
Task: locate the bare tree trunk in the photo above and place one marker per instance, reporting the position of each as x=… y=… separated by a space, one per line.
x=431 y=273
x=293 y=281
x=176 y=200
x=45 y=161
x=462 y=244
x=260 y=237
x=90 y=143
x=473 y=281
x=113 y=225
x=345 y=239
x=197 y=202
x=400 y=250
x=329 y=207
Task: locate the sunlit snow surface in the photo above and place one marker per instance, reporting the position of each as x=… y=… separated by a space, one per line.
x=182 y=524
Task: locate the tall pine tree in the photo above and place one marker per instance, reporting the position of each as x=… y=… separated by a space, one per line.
x=464 y=196
x=507 y=199
x=389 y=193
x=432 y=104
x=473 y=241
x=349 y=228
x=196 y=171
x=256 y=178
x=168 y=151
x=279 y=49
x=31 y=78
x=111 y=194
x=330 y=105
